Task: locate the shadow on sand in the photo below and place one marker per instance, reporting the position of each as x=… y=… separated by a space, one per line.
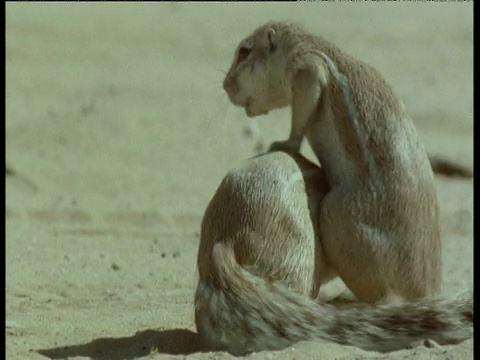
x=143 y=343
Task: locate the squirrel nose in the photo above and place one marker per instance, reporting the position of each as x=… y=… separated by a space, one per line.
x=229 y=84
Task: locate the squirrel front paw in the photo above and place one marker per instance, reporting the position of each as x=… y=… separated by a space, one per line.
x=286 y=145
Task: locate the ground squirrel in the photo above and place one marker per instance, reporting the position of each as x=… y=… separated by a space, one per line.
x=261 y=264
x=380 y=217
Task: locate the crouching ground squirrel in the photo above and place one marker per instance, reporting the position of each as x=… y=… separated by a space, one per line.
x=377 y=225
x=261 y=263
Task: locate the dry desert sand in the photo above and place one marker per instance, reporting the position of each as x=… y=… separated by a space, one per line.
x=118 y=133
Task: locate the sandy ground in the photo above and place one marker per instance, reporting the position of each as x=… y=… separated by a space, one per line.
x=118 y=133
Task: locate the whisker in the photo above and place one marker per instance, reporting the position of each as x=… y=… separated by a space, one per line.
x=220 y=70
x=225 y=111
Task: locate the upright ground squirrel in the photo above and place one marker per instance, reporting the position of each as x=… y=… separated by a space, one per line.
x=380 y=217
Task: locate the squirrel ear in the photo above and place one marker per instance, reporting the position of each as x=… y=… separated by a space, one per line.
x=272 y=39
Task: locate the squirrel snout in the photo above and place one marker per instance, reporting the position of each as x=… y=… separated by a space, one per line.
x=230 y=85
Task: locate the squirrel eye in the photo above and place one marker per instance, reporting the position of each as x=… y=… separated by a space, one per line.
x=243 y=53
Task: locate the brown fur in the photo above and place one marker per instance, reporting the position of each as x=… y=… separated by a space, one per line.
x=380 y=218
x=261 y=262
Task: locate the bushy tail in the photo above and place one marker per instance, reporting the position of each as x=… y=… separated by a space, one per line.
x=238 y=312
